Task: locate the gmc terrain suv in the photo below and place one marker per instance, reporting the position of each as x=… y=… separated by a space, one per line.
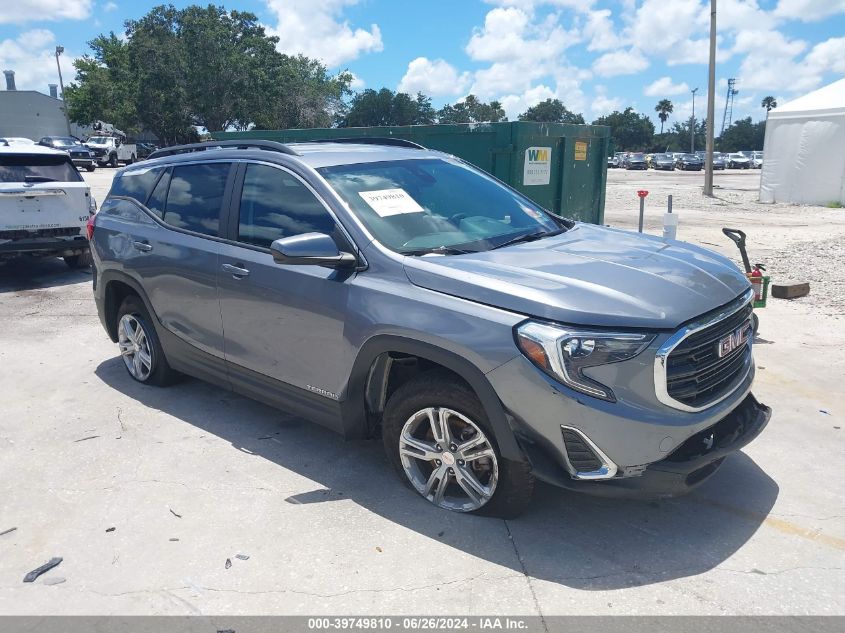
x=377 y=286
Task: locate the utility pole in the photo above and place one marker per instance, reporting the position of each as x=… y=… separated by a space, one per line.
x=692 y=124
x=711 y=105
x=59 y=51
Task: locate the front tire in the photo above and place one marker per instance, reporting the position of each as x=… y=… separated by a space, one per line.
x=91 y=167
x=140 y=347
x=113 y=161
x=438 y=438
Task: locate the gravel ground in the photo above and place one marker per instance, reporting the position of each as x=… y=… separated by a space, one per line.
x=796 y=243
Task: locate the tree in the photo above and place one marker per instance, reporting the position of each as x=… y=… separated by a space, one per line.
x=105 y=88
x=770 y=103
x=209 y=67
x=385 y=107
x=629 y=130
x=743 y=135
x=472 y=110
x=680 y=134
x=551 y=111
x=663 y=108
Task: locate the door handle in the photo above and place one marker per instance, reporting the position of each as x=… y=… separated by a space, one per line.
x=144 y=247
x=237 y=271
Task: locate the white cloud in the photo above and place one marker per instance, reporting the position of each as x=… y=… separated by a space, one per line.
x=434 y=78
x=809 y=10
x=828 y=56
x=109 y=6
x=514 y=104
x=664 y=87
x=600 y=31
x=20 y=11
x=316 y=28
x=602 y=104
x=620 y=63
x=357 y=83
x=32 y=56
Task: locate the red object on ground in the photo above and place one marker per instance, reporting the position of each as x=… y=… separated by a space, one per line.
x=756 y=278
x=642 y=193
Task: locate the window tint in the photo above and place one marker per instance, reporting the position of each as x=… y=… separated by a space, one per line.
x=275 y=204
x=159 y=196
x=37 y=168
x=195 y=196
x=135 y=184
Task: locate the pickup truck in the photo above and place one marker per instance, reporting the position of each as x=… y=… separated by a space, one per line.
x=44 y=205
x=111 y=150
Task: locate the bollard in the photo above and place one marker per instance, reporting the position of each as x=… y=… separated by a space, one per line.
x=642 y=193
x=670 y=223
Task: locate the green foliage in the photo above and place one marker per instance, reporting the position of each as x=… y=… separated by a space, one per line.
x=743 y=135
x=105 y=87
x=385 y=107
x=663 y=108
x=834 y=205
x=472 y=110
x=629 y=130
x=681 y=136
x=200 y=66
x=551 y=111
x=770 y=103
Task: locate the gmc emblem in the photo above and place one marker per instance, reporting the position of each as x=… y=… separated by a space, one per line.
x=735 y=339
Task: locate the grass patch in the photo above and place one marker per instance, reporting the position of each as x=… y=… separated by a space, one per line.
x=834 y=205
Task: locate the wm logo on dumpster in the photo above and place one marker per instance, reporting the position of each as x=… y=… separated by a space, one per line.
x=538 y=155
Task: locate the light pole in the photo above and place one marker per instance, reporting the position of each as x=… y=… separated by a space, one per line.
x=711 y=105
x=692 y=124
x=59 y=51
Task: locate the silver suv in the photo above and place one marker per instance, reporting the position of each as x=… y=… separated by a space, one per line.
x=379 y=287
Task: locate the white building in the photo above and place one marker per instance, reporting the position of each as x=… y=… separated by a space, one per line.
x=804 y=151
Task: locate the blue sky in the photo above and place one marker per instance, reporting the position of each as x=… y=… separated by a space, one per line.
x=594 y=55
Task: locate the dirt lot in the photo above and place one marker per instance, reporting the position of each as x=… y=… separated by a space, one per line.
x=190 y=476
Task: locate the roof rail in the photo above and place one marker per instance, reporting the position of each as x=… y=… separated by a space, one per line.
x=270 y=146
x=372 y=140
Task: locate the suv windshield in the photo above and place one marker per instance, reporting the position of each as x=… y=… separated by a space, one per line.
x=63 y=141
x=424 y=205
x=37 y=167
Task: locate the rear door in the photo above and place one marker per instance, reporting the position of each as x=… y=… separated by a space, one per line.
x=177 y=261
x=282 y=322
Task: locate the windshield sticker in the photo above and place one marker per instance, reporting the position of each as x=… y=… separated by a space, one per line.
x=387 y=202
x=537 y=169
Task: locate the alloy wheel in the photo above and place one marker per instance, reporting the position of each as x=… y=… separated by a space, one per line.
x=134 y=347
x=448 y=459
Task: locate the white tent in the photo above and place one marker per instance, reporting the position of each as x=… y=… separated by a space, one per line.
x=804 y=151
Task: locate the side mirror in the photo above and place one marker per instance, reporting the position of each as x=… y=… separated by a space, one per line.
x=313 y=249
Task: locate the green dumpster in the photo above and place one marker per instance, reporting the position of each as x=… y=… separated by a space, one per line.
x=562 y=167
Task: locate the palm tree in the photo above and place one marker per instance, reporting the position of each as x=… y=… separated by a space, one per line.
x=663 y=109
x=770 y=103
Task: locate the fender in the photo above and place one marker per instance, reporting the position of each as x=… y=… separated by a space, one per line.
x=353 y=406
x=102 y=283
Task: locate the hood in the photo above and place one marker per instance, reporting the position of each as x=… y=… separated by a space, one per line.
x=589 y=275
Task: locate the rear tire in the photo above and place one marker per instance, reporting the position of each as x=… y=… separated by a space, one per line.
x=75 y=262
x=140 y=348
x=490 y=484
x=91 y=167
x=113 y=160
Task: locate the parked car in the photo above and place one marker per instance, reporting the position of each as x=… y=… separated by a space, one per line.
x=757 y=160
x=718 y=161
x=17 y=140
x=663 y=162
x=145 y=149
x=80 y=155
x=635 y=160
x=689 y=162
x=736 y=160
x=396 y=289
x=612 y=162
x=112 y=150
x=44 y=205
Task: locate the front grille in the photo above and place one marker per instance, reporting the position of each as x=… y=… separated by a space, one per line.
x=582 y=458
x=695 y=374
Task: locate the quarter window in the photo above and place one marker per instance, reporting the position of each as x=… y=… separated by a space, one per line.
x=275 y=204
x=195 y=196
x=135 y=184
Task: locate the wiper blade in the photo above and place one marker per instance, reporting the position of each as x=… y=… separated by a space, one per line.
x=38 y=179
x=439 y=250
x=528 y=237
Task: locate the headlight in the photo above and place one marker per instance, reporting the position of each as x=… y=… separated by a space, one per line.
x=564 y=353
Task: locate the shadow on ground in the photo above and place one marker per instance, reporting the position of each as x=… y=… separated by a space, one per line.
x=575 y=540
x=32 y=273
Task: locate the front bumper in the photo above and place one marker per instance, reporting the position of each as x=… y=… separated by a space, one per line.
x=687 y=467
x=83 y=162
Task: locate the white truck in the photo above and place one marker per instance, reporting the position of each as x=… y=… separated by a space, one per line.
x=44 y=205
x=111 y=150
